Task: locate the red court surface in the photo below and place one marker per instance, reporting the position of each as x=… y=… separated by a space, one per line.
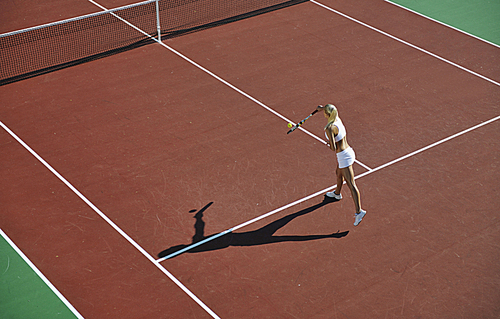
x=147 y=137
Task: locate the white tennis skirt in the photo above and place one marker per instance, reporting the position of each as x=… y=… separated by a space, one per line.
x=346 y=157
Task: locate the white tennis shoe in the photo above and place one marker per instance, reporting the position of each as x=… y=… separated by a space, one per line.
x=333 y=195
x=358 y=217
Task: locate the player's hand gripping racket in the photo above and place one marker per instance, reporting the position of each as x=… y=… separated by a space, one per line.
x=300 y=123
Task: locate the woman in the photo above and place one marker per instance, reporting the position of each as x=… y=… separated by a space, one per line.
x=336 y=132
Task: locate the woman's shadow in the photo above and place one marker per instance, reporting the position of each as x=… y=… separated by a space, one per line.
x=261 y=236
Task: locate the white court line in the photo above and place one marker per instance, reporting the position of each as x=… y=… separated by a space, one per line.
x=225 y=82
x=109 y=221
x=39 y=273
x=442 y=23
x=245 y=224
x=431 y=146
x=324 y=191
x=406 y=43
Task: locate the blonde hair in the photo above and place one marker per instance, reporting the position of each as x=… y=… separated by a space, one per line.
x=332 y=113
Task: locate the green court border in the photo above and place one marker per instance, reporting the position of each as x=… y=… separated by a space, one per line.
x=479 y=18
x=25 y=292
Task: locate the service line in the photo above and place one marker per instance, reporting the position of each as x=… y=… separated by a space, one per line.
x=325 y=190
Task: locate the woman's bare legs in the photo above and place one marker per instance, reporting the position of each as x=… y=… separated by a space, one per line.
x=348 y=175
x=340 y=180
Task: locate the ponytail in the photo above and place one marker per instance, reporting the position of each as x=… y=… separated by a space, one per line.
x=332 y=113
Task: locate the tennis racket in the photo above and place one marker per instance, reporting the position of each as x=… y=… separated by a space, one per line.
x=301 y=122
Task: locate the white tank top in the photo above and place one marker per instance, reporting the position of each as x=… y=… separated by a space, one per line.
x=342 y=131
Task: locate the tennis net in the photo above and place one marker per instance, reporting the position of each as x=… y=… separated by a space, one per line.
x=39 y=50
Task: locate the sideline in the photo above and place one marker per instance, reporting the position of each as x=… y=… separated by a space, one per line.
x=442 y=23
x=110 y=222
x=406 y=43
x=40 y=275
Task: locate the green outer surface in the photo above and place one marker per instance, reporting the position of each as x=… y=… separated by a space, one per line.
x=23 y=294
x=478 y=17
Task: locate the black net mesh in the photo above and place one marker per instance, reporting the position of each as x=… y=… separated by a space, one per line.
x=45 y=49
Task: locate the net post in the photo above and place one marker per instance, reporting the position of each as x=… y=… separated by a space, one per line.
x=158 y=21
